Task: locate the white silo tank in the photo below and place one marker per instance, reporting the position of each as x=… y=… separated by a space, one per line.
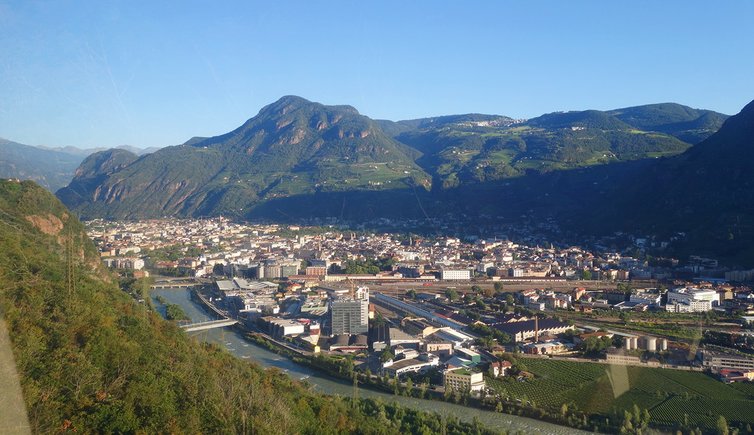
x=651 y=343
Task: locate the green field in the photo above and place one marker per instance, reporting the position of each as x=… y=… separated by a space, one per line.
x=671 y=396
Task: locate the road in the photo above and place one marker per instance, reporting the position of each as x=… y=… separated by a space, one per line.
x=395 y=288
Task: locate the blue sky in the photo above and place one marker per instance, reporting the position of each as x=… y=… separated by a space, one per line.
x=155 y=73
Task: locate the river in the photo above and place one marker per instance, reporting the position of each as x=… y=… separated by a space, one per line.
x=235 y=343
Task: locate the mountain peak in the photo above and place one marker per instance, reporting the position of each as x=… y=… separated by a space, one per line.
x=290 y=103
x=291 y=99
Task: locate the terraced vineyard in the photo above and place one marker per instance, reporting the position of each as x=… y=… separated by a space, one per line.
x=671 y=396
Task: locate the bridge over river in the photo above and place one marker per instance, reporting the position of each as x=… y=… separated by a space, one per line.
x=201 y=326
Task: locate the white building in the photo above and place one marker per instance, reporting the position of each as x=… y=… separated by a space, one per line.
x=455 y=274
x=282 y=327
x=125 y=263
x=688 y=306
x=693 y=300
x=645 y=298
x=463 y=380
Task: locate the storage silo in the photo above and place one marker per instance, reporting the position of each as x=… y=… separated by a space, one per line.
x=651 y=343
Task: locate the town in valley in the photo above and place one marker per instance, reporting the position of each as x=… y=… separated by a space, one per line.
x=451 y=314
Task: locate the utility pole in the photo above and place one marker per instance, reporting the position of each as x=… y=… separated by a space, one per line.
x=70 y=281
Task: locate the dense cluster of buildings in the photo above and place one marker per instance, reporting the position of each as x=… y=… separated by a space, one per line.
x=683 y=298
x=297 y=284
x=305 y=255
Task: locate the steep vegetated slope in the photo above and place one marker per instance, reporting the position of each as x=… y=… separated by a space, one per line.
x=292 y=146
x=93 y=360
x=467 y=149
x=707 y=192
x=687 y=124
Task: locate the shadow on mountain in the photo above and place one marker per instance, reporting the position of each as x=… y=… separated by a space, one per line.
x=576 y=197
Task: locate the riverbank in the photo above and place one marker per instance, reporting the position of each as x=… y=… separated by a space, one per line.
x=342 y=367
x=241 y=346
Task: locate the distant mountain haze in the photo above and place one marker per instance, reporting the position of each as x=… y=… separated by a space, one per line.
x=52 y=168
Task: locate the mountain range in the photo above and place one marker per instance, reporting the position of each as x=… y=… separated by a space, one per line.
x=658 y=169
x=295 y=147
x=53 y=168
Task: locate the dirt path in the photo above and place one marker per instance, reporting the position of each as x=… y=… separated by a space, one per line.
x=13 y=419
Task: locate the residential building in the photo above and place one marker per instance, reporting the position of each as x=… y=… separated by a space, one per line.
x=463 y=380
x=316 y=270
x=455 y=274
x=718 y=360
x=349 y=315
x=521 y=331
x=499 y=368
x=620 y=357
x=288 y=269
x=408 y=365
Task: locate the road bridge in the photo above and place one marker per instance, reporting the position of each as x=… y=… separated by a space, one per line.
x=201 y=326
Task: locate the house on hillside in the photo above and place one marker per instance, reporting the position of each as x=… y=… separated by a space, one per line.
x=498 y=368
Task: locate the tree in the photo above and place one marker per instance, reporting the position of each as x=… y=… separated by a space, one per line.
x=498 y=287
x=487 y=342
x=423 y=389
x=447 y=393
x=378 y=320
x=586 y=275
x=645 y=417
x=636 y=415
x=411 y=293
x=488 y=292
x=451 y=294
x=596 y=345
x=627 y=426
x=386 y=355
x=476 y=288
x=722 y=426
